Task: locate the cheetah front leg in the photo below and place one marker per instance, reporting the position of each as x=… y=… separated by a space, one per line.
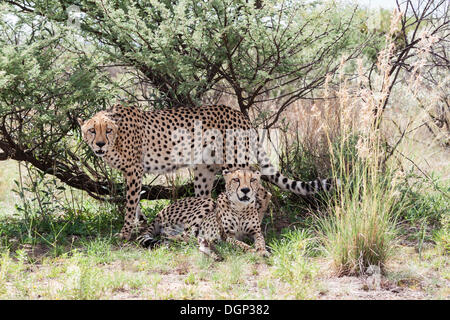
x=240 y=244
x=134 y=184
x=260 y=243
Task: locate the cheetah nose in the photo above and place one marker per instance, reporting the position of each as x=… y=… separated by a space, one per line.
x=245 y=190
x=100 y=144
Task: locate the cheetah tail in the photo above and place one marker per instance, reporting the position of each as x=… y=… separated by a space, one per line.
x=297 y=187
x=147 y=241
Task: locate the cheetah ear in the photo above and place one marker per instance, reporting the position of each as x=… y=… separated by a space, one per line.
x=257 y=173
x=114 y=117
x=80 y=121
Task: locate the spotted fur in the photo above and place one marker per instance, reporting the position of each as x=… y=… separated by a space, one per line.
x=138 y=142
x=232 y=217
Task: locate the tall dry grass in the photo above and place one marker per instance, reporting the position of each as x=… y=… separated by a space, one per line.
x=360 y=230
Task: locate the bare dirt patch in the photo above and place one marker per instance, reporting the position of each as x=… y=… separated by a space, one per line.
x=357 y=288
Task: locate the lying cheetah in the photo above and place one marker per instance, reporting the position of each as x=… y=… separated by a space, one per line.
x=232 y=217
x=207 y=139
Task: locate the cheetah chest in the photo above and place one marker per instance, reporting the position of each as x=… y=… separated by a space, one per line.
x=235 y=223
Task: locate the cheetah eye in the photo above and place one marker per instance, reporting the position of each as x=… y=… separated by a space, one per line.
x=236 y=179
x=92 y=130
x=108 y=130
x=253 y=180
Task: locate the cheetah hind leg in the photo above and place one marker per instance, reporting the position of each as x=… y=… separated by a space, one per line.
x=209 y=249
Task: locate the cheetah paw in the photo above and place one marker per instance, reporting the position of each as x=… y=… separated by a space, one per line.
x=264 y=253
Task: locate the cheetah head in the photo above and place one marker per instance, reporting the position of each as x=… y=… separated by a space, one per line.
x=99 y=132
x=242 y=185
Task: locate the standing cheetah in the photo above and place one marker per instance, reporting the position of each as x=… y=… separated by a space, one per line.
x=207 y=139
x=230 y=218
